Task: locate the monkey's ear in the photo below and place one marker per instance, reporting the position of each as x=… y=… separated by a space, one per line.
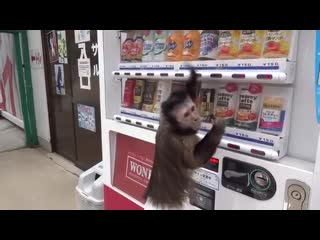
x=193 y=86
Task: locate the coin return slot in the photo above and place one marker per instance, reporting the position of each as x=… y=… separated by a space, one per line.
x=139 y=123
x=150 y=126
x=138 y=74
x=150 y=74
x=128 y=120
x=164 y=74
x=127 y=74
x=116 y=73
x=119 y=119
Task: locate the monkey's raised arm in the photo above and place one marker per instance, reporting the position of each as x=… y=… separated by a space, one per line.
x=192 y=85
x=208 y=145
x=204 y=149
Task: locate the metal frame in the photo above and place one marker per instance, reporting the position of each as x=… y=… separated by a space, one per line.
x=25 y=85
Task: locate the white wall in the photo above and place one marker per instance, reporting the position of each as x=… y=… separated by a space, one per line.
x=111 y=45
x=304 y=130
x=39 y=93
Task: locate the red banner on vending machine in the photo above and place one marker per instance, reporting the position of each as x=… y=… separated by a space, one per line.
x=133 y=165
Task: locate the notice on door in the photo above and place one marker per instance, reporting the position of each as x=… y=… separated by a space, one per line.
x=86 y=117
x=84 y=68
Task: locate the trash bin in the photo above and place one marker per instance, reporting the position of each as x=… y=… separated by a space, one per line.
x=90 y=189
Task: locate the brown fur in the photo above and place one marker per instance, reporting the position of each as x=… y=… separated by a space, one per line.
x=178 y=152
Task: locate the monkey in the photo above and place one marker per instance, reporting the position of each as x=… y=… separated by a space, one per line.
x=178 y=149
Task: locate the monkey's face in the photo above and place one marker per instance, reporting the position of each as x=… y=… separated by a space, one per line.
x=187 y=115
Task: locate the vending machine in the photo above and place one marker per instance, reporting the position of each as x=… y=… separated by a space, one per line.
x=262 y=83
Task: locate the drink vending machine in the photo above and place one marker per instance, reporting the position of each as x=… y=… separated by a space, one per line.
x=269 y=155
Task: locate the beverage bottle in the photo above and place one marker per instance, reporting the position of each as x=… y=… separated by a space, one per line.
x=137 y=48
x=191 y=45
x=209 y=44
x=277 y=43
x=251 y=42
x=126 y=47
x=160 y=45
x=148 y=45
x=228 y=45
x=175 y=45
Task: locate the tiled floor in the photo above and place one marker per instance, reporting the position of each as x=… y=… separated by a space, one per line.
x=34 y=179
x=11 y=137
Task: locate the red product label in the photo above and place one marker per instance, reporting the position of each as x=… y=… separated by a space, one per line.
x=137 y=48
x=133 y=165
x=231 y=87
x=126 y=49
x=255 y=88
x=270 y=125
x=128 y=93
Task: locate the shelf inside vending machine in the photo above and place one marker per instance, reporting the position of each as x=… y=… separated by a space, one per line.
x=253 y=143
x=264 y=70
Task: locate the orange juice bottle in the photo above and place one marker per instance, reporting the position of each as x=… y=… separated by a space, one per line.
x=191 y=45
x=277 y=43
x=175 y=45
x=228 y=45
x=251 y=42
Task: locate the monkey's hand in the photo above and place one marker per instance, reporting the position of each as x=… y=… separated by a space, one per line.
x=218 y=126
x=192 y=85
x=208 y=145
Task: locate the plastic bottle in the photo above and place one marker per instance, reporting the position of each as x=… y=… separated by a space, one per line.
x=251 y=42
x=191 y=45
x=148 y=45
x=137 y=48
x=277 y=43
x=209 y=44
x=160 y=45
x=175 y=45
x=126 y=47
x=228 y=46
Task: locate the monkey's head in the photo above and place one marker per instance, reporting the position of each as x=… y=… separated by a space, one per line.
x=180 y=109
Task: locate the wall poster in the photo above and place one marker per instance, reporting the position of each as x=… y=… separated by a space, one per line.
x=53 y=46
x=62 y=47
x=86 y=117
x=59 y=78
x=36 y=58
x=81 y=36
